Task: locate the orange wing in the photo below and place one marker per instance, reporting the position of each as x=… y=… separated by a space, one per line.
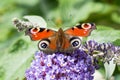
x=82 y=30
x=39 y=33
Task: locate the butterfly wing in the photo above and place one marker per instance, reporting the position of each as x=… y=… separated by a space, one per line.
x=81 y=30
x=47 y=38
x=74 y=36
x=37 y=33
x=48 y=45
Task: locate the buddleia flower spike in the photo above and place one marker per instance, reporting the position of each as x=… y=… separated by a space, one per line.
x=61 y=67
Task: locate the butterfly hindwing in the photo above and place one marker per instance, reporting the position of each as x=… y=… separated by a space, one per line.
x=48 y=45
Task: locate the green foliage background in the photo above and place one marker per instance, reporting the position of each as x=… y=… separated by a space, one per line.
x=17 y=50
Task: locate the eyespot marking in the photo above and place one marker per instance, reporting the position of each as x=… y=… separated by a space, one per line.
x=43 y=44
x=75 y=42
x=86 y=25
x=34 y=30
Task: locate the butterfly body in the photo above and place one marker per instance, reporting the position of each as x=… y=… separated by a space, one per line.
x=51 y=41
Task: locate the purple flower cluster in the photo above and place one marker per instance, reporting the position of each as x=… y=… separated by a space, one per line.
x=80 y=65
x=77 y=66
x=109 y=51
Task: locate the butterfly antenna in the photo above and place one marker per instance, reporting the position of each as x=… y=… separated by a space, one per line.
x=22 y=25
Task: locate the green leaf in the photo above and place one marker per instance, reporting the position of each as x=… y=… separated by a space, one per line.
x=79 y=10
x=117 y=77
x=2 y=73
x=117 y=42
x=27 y=2
x=16 y=59
x=109 y=69
x=36 y=20
x=6 y=32
x=116 y=17
x=18 y=45
x=104 y=34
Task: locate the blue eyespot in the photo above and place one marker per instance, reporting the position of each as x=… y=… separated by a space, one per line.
x=75 y=42
x=44 y=45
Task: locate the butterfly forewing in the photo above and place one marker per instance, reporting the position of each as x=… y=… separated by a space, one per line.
x=39 y=34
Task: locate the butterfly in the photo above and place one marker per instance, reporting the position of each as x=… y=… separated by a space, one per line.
x=68 y=40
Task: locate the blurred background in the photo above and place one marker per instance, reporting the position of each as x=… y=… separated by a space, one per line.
x=17 y=50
